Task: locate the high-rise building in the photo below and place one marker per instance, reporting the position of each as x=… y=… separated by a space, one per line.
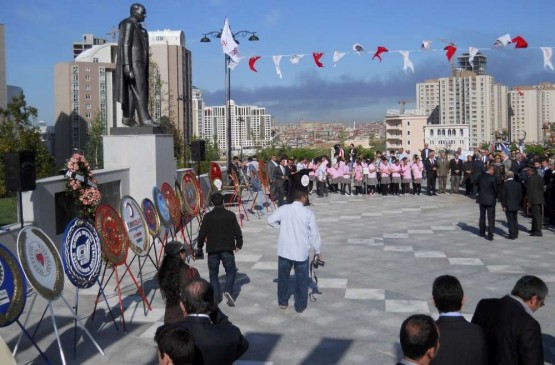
x=465 y=98
x=531 y=107
x=3 y=86
x=251 y=127
x=198 y=112
x=83 y=91
x=174 y=66
x=88 y=42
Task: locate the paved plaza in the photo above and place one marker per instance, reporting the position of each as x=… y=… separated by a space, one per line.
x=382 y=255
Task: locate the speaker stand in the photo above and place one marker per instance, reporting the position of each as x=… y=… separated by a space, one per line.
x=20 y=208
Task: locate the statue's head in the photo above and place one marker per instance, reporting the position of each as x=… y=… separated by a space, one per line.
x=138 y=11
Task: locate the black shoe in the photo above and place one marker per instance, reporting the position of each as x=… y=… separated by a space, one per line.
x=481 y=234
x=538 y=234
x=533 y=234
x=489 y=237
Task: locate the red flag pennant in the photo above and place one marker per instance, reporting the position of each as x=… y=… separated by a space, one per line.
x=519 y=42
x=379 y=51
x=451 y=50
x=252 y=61
x=317 y=56
x=520 y=93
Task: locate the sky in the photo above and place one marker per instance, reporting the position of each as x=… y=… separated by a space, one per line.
x=40 y=34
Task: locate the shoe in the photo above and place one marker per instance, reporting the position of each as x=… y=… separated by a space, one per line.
x=533 y=234
x=489 y=237
x=538 y=234
x=229 y=299
x=482 y=234
x=130 y=122
x=149 y=123
x=283 y=306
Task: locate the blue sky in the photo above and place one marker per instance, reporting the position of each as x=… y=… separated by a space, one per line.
x=40 y=33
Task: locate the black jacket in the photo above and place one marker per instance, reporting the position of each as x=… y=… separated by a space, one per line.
x=215 y=344
x=477 y=169
x=462 y=343
x=428 y=165
x=535 y=189
x=487 y=187
x=511 y=195
x=221 y=228
x=456 y=166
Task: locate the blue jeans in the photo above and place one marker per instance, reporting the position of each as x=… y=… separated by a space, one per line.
x=228 y=260
x=301 y=278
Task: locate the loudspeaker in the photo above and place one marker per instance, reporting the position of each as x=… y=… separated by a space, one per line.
x=19 y=171
x=198 y=150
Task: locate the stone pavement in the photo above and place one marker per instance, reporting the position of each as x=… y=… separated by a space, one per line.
x=382 y=255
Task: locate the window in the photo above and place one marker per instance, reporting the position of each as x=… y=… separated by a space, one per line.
x=88 y=115
x=408 y=133
x=431 y=132
x=87 y=77
x=87 y=87
x=88 y=106
x=87 y=96
x=408 y=123
x=95 y=60
x=87 y=68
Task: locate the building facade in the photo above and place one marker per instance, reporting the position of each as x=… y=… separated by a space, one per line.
x=251 y=127
x=405 y=129
x=467 y=97
x=3 y=86
x=198 y=112
x=88 y=42
x=448 y=137
x=531 y=107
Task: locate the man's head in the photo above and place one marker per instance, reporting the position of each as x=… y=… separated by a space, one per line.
x=300 y=195
x=283 y=161
x=138 y=12
x=457 y=154
x=235 y=159
x=469 y=158
x=509 y=174
x=175 y=346
x=532 y=290
x=217 y=199
x=491 y=169
x=431 y=154
x=197 y=297
x=425 y=145
x=448 y=294
x=419 y=337
x=443 y=155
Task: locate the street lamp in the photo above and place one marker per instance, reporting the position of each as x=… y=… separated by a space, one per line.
x=206 y=39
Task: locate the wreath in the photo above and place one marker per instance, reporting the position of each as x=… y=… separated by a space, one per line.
x=81 y=186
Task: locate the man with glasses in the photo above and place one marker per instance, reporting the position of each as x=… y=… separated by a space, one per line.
x=515 y=335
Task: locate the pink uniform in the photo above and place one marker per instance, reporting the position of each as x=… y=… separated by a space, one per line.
x=358 y=172
x=395 y=170
x=417 y=169
x=312 y=169
x=372 y=171
x=406 y=171
x=384 y=169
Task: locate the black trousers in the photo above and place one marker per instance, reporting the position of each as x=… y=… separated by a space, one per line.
x=512 y=223
x=536 y=212
x=431 y=181
x=490 y=210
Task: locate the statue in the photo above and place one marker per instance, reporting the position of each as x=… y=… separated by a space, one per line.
x=132 y=69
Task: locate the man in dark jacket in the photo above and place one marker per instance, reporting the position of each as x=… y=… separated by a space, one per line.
x=462 y=343
x=419 y=337
x=517 y=336
x=511 y=196
x=477 y=170
x=131 y=76
x=224 y=237
x=430 y=165
x=487 y=186
x=536 y=199
x=215 y=343
x=456 y=168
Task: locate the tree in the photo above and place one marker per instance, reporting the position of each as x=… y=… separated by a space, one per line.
x=342 y=135
x=17 y=133
x=94 y=150
x=169 y=127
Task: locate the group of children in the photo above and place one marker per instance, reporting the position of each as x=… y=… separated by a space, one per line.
x=391 y=176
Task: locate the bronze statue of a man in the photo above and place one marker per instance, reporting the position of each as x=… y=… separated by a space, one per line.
x=132 y=68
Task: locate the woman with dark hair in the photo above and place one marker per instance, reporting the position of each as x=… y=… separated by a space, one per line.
x=174 y=274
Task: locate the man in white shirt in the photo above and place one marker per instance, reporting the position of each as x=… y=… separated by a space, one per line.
x=298 y=233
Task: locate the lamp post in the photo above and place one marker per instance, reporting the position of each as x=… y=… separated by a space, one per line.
x=206 y=39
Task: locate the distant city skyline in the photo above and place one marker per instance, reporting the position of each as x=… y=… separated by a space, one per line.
x=40 y=34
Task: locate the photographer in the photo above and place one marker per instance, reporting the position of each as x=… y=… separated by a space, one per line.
x=224 y=237
x=298 y=233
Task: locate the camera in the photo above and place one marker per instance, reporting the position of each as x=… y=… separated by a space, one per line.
x=199 y=255
x=317 y=262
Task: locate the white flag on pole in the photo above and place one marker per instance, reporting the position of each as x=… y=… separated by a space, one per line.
x=277 y=60
x=337 y=56
x=472 y=52
x=547 y=55
x=407 y=63
x=502 y=41
x=229 y=46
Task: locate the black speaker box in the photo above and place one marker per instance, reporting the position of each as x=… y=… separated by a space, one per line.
x=198 y=150
x=19 y=171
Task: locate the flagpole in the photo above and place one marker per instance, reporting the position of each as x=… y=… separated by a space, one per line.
x=228 y=109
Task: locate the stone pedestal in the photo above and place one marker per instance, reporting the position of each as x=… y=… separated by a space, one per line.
x=149 y=158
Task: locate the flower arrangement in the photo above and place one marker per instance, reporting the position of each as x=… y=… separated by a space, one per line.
x=82 y=185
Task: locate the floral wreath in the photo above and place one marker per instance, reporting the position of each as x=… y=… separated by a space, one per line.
x=82 y=185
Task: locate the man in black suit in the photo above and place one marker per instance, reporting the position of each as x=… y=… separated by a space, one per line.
x=272 y=165
x=215 y=343
x=419 y=337
x=456 y=168
x=536 y=200
x=511 y=195
x=224 y=235
x=175 y=346
x=424 y=153
x=279 y=175
x=131 y=75
x=477 y=170
x=430 y=166
x=517 y=337
x=461 y=342
x=487 y=185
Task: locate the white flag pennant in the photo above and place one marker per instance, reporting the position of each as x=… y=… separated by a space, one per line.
x=472 y=52
x=229 y=46
x=407 y=63
x=426 y=45
x=296 y=58
x=232 y=63
x=502 y=41
x=358 y=48
x=337 y=56
x=547 y=56
x=277 y=60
